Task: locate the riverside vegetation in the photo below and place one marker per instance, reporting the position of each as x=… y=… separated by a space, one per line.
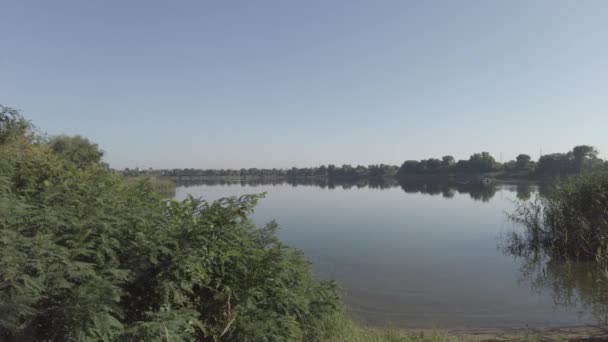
x=570 y=222
x=86 y=256
x=564 y=242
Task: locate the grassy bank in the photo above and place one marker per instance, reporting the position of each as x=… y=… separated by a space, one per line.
x=341 y=328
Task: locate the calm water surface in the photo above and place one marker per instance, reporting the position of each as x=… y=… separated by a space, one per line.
x=419 y=255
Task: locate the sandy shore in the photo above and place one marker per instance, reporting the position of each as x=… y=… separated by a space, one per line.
x=579 y=333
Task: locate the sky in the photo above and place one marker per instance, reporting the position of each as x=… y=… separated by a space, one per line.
x=232 y=84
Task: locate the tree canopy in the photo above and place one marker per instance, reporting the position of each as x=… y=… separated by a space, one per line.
x=76 y=149
x=581 y=158
x=12 y=125
x=523 y=161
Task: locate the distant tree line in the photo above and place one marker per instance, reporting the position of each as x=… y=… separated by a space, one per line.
x=322 y=172
x=580 y=158
x=343 y=172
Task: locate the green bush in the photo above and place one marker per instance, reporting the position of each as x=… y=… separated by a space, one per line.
x=86 y=256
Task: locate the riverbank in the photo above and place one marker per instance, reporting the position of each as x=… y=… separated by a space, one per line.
x=579 y=333
x=340 y=327
x=345 y=329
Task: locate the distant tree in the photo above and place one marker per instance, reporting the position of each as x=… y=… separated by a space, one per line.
x=331 y=170
x=375 y=171
x=433 y=165
x=423 y=166
x=523 y=161
x=390 y=170
x=553 y=164
x=581 y=158
x=482 y=162
x=76 y=149
x=461 y=166
x=510 y=165
x=321 y=171
x=408 y=167
x=581 y=154
x=447 y=162
x=360 y=172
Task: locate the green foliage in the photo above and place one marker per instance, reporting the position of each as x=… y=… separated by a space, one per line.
x=86 y=256
x=340 y=328
x=12 y=125
x=477 y=163
x=571 y=221
x=523 y=161
x=76 y=149
x=482 y=162
x=447 y=162
x=581 y=158
x=564 y=243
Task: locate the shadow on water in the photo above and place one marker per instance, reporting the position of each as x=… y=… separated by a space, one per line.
x=478 y=191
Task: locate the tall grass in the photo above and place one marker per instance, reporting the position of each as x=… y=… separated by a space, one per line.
x=341 y=328
x=571 y=221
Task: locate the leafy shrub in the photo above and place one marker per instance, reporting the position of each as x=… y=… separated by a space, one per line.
x=85 y=256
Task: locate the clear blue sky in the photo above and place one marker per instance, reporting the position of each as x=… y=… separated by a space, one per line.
x=231 y=84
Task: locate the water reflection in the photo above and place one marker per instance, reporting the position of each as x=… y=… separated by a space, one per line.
x=419 y=254
x=575 y=286
x=524 y=191
x=322 y=183
x=478 y=191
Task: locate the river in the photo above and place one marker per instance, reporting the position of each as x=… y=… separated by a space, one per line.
x=419 y=255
